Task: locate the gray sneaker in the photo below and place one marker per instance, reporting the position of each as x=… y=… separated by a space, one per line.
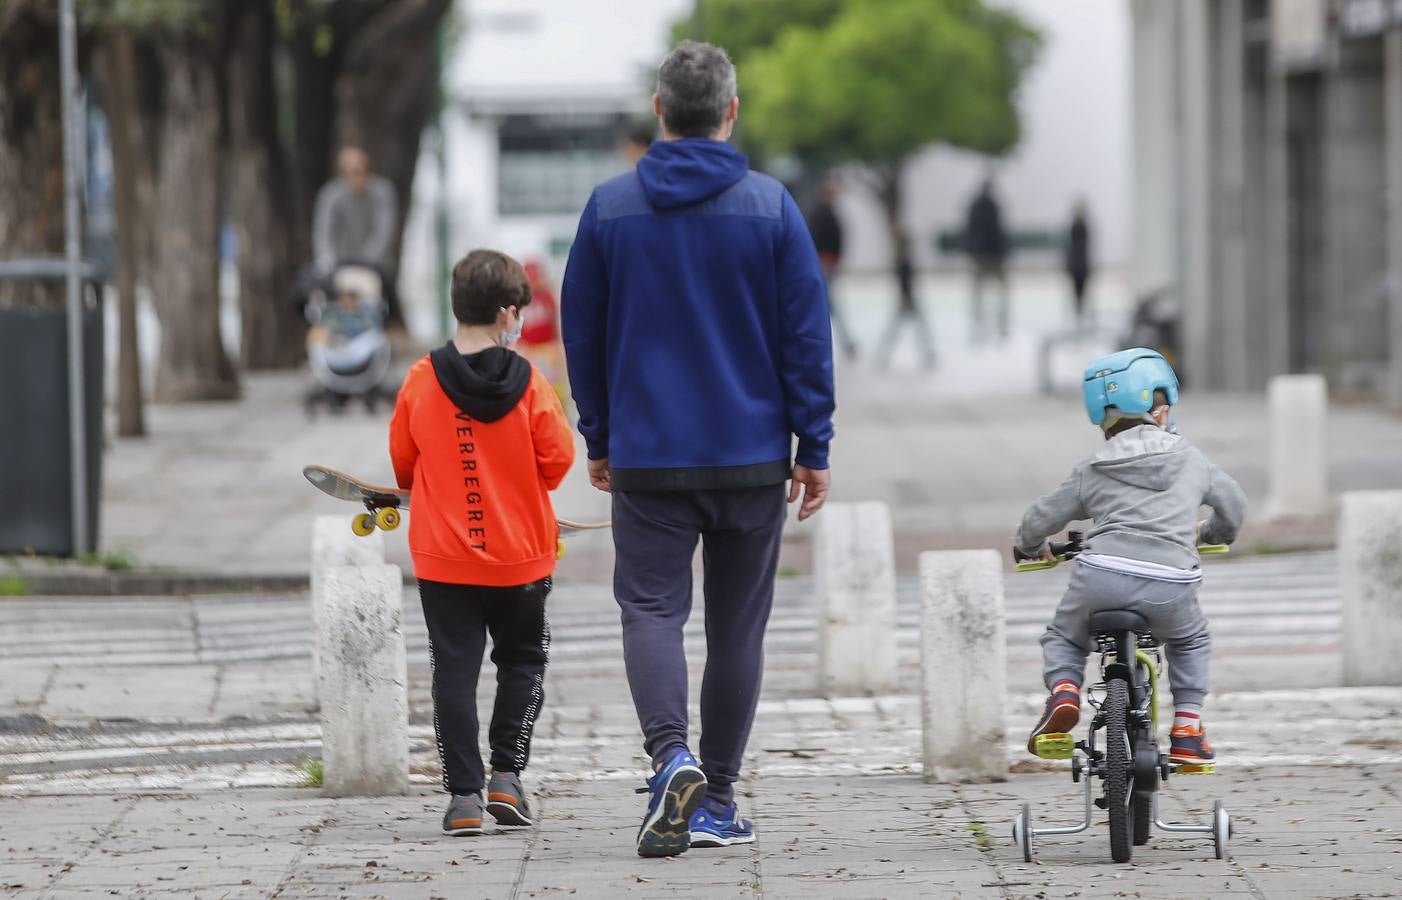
x=506 y=800
x=464 y=815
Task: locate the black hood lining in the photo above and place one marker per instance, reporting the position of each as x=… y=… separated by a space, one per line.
x=485 y=385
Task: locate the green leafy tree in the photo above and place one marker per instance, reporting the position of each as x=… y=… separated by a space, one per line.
x=744 y=26
x=876 y=82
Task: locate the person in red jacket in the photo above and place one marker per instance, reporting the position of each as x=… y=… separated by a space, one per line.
x=480 y=437
x=540 y=330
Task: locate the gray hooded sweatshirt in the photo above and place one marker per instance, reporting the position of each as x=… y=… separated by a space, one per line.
x=1143 y=491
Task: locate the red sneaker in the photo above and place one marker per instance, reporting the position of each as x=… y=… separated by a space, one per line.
x=1190 y=746
x=1062 y=713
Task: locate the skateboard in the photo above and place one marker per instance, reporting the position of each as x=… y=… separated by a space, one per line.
x=382 y=504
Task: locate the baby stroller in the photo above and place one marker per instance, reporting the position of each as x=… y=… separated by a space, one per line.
x=347 y=347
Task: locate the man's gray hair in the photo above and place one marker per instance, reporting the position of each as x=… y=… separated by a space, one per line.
x=696 y=83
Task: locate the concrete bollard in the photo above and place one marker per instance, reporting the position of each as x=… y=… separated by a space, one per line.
x=963 y=666
x=854 y=562
x=1370 y=563
x=363 y=682
x=334 y=544
x=1299 y=462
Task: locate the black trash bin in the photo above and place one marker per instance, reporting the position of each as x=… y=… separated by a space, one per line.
x=36 y=507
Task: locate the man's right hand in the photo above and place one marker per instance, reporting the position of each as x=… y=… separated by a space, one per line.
x=600 y=475
x=815 y=484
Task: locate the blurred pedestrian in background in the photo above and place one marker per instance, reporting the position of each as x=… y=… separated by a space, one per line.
x=354 y=223
x=540 y=328
x=907 y=308
x=986 y=242
x=634 y=139
x=1078 y=260
x=826 y=229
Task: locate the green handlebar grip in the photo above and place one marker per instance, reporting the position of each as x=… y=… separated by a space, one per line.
x=1210 y=549
x=1038 y=565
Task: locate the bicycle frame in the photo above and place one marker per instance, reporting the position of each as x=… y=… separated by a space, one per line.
x=1138 y=701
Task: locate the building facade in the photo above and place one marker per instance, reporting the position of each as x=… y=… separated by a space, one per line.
x=1267 y=192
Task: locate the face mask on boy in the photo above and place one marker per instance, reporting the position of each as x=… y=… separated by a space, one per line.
x=511 y=335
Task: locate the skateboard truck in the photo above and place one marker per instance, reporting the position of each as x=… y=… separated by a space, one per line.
x=386 y=518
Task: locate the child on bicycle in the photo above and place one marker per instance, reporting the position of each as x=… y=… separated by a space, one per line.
x=1142 y=490
x=480 y=436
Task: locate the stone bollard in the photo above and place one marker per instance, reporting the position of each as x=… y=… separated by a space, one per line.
x=333 y=544
x=963 y=666
x=1299 y=462
x=854 y=562
x=1370 y=563
x=363 y=682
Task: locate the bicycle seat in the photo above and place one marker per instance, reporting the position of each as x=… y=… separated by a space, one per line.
x=1108 y=621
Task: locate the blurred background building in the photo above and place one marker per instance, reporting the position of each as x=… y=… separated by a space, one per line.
x=1268 y=186
x=538 y=89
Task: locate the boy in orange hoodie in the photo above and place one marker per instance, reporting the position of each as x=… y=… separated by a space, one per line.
x=480 y=437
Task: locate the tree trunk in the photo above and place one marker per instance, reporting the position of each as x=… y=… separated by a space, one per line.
x=273 y=329
x=31 y=147
x=185 y=279
x=314 y=124
x=123 y=119
x=386 y=92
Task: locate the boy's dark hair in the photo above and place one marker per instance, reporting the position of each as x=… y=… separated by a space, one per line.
x=484 y=283
x=1125 y=424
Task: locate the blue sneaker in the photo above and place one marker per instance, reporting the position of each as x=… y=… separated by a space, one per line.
x=677 y=790
x=715 y=825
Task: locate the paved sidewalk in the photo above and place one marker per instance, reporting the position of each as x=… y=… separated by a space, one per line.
x=1301 y=834
x=153 y=746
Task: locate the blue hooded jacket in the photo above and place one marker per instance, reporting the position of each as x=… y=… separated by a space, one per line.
x=696 y=325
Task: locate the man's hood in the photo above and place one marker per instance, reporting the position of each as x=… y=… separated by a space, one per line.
x=1145 y=456
x=485 y=385
x=686 y=171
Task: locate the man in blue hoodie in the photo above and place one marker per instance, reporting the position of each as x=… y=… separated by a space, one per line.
x=699 y=346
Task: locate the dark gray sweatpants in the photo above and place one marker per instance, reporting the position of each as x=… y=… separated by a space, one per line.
x=655 y=536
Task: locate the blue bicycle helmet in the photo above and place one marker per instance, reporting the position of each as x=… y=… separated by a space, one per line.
x=1127 y=381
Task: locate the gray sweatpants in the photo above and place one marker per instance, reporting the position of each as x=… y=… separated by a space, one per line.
x=1171 y=610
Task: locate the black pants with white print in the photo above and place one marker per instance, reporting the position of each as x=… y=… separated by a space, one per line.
x=459 y=617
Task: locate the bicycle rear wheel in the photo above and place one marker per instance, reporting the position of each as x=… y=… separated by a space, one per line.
x=1143 y=815
x=1119 y=775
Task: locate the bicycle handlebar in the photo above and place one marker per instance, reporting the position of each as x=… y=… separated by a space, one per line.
x=1062 y=551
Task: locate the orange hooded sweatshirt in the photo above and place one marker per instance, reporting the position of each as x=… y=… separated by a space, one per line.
x=481 y=440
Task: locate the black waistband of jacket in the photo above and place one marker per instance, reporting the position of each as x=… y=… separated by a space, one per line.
x=701 y=478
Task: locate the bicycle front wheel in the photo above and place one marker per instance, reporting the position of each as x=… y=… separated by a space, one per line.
x=1119 y=775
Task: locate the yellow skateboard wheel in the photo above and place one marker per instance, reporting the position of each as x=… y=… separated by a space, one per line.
x=362 y=524
x=387 y=518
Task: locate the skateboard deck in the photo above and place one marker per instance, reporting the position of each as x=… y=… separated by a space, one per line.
x=382 y=504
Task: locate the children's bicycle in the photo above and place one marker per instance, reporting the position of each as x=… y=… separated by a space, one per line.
x=1126 y=711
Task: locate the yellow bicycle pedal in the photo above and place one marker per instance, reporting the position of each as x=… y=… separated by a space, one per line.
x=1055 y=746
x=1195 y=769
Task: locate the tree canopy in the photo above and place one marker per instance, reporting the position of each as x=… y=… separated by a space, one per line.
x=877 y=81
